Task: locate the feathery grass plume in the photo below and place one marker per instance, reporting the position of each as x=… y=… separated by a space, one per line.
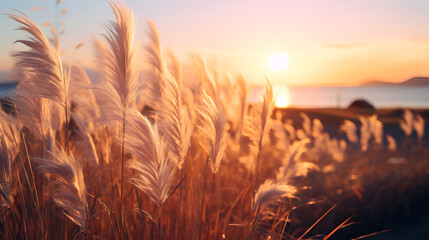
x=213 y=128
x=293 y=155
x=158 y=69
x=33 y=110
x=242 y=96
x=101 y=54
x=378 y=131
x=336 y=149
x=279 y=135
x=84 y=143
x=251 y=129
x=300 y=134
x=267 y=106
x=166 y=93
x=173 y=122
x=306 y=124
x=317 y=128
x=153 y=166
x=42 y=61
x=249 y=139
x=207 y=79
x=419 y=126
x=175 y=68
x=271 y=191
x=291 y=131
x=118 y=90
x=265 y=114
x=303 y=168
x=83 y=101
x=68 y=188
x=370 y=127
x=391 y=142
x=350 y=129
x=407 y=123
x=365 y=133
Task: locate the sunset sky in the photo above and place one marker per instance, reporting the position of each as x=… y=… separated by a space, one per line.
x=328 y=42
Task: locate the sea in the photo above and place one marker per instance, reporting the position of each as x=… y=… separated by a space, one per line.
x=340 y=97
x=9 y=87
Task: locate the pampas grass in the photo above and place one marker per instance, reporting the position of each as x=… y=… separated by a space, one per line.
x=271 y=191
x=350 y=129
x=34 y=111
x=172 y=118
x=120 y=73
x=213 y=128
x=153 y=164
x=68 y=188
x=158 y=68
x=120 y=84
x=42 y=61
x=407 y=122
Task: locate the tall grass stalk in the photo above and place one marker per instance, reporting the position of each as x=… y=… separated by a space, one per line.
x=33 y=187
x=265 y=114
x=120 y=83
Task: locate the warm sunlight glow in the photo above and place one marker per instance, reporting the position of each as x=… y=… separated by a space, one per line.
x=278 y=61
x=282 y=96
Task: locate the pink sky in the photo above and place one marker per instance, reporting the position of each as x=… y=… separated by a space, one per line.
x=328 y=42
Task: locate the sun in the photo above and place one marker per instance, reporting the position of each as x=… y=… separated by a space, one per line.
x=282 y=95
x=278 y=61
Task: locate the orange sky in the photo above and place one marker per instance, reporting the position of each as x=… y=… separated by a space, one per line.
x=328 y=42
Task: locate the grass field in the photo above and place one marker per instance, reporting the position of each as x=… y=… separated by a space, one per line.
x=143 y=154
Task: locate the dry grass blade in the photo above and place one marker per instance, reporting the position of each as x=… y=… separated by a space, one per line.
x=318 y=220
x=371 y=234
x=336 y=229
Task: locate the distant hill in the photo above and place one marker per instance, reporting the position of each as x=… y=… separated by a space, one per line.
x=377 y=83
x=415 y=81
